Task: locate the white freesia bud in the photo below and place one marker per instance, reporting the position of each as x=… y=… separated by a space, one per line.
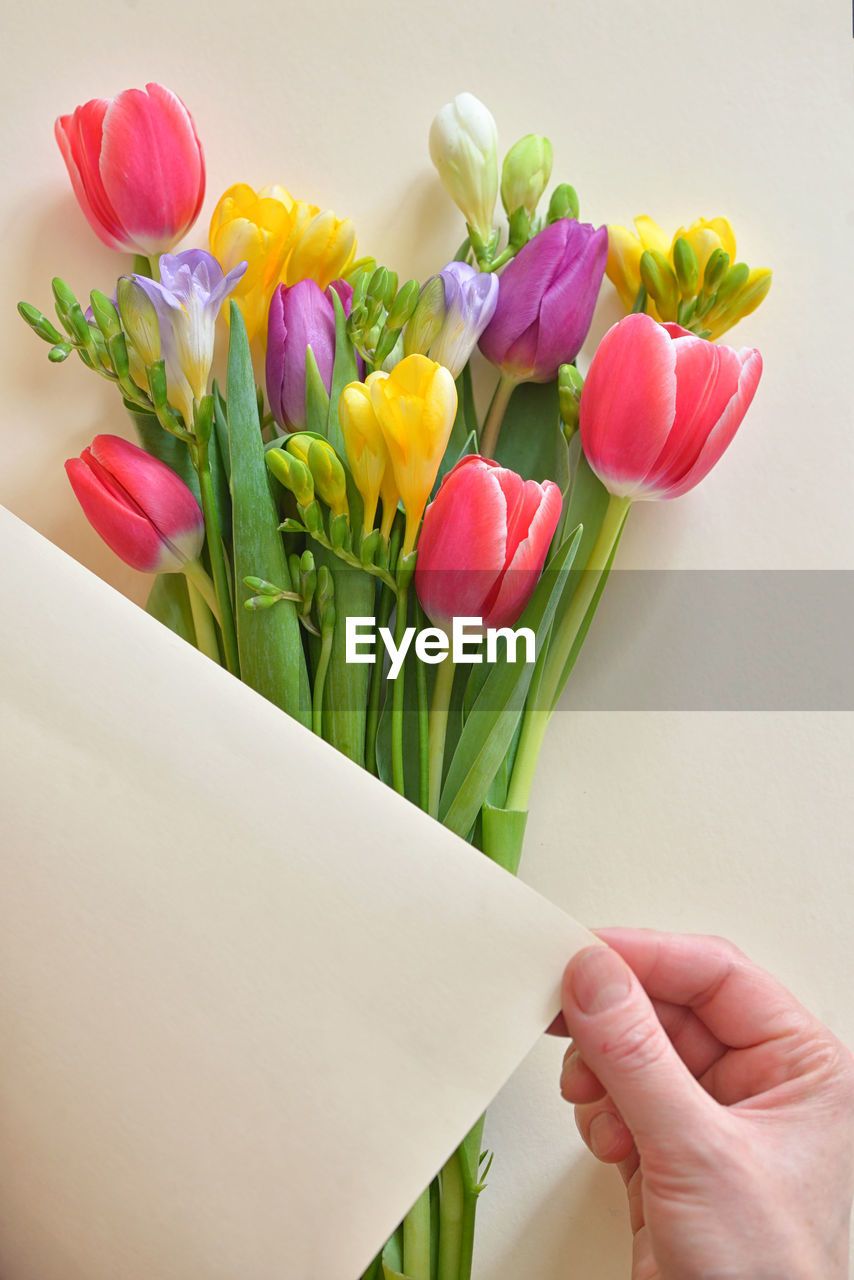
x=464 y=149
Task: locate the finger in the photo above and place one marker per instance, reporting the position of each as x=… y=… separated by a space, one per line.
x=740 y=1003
x=604 y=1131
x=690 y=1037
x=577 y=1081
x=617 y=1032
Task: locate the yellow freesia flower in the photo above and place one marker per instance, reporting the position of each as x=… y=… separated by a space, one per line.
x=415 y=407
x=367 y=453
x=666 y=269
x=256 y=228
x=322 y=246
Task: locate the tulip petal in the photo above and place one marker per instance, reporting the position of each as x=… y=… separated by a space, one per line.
x=152 y=486
x=151 y=165
x=706 y=380
x=79 y=139
x=461 y=555
x=526 y=563
x=124 y=528
x=722 y=433
x=628 y=403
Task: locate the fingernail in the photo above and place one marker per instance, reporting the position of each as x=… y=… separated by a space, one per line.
x=570 y=1066
x=600 y=980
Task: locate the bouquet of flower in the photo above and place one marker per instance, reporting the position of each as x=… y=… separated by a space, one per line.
x=335 y=521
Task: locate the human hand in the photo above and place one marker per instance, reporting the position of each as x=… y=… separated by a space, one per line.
x=728 y=1108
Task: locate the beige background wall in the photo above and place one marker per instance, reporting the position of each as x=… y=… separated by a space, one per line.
x=733 y=821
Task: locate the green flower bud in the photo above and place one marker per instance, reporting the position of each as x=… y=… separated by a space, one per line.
x=569 y=385
x=563 y=204
x=60 y=352
x=330 y=481
x=39 y=323
x=660 y=282
x=292 y=473
x=403 y=306
x=734 y=280
x=427 y=318
x=105 y=313
x=139 y=319
x=687 y=268
x=716 y=269
x=525 y=173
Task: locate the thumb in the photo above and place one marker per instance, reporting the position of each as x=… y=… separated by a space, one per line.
x=617 y=1032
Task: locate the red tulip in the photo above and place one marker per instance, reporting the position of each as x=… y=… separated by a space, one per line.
x=660 y=406
x=139 y=506
x=483 y=543
x=136 y=167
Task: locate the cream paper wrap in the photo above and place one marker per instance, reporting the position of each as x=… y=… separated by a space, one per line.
x=250 y=999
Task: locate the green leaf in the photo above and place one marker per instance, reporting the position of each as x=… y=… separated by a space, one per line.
x=169 y=602
x=411 y=749
x=532 y=442
x=269 y=640
x=489 y=729
x=588 y=618
x=345 y=696
x=344 y=370
x=316 y=397
x=588 y=501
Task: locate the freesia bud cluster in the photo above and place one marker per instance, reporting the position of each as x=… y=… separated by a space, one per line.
x=693 y=279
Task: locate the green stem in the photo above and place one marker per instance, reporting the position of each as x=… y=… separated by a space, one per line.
x=197 y=577
x=495 y=415
x=541 y=706
x=373 y=717
x=416 y=1239
x=397 y=773
x=438 y=729
x=215 y=550
x=203 y=622
x=451 y=1208
x=470 y=1194
x=327 y=635
x=423 y=724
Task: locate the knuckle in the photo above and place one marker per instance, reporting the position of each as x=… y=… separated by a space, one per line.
x=638 y=1044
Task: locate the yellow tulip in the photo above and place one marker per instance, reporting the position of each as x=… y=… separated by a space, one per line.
x=253 y=228
x=322 y=247
x=415 y=407
x=703 y=238
x=366 y=451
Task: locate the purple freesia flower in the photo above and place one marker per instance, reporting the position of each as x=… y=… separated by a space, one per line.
x=546 y=299
x=301 y=316
x=187 y=299
x=471 y=297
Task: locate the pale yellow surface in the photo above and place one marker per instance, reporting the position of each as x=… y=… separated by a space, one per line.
x=738 y=822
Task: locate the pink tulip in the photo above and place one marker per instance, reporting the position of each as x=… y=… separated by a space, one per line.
x=136 y=167
x=660 y=406
x=139 y=506
x=483 y=543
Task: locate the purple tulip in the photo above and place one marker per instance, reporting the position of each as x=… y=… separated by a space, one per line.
x=545 y=301
x=301 y=316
